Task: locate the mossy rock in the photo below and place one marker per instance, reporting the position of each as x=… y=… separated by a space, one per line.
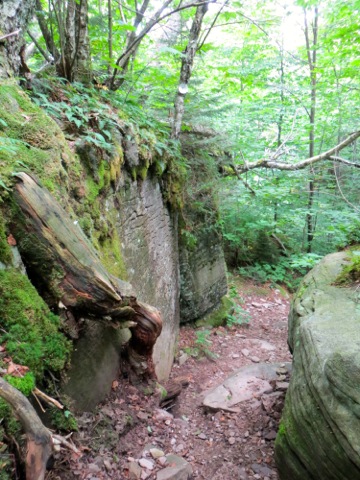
x=29 y=139
x=218 y=316
x=30 y=330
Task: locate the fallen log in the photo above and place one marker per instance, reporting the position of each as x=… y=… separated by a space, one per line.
x=57 y=252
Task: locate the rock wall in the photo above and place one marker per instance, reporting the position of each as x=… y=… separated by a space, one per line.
x=149 y=247
x=116 y=199
x=318 y=437
x=202 y=276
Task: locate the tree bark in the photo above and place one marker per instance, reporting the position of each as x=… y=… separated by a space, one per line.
x=14 y=17
x=186 y=67
x=39 y=441
x=56 y=251
x=48 y=37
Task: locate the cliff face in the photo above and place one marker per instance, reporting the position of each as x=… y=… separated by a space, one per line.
x=116 y=199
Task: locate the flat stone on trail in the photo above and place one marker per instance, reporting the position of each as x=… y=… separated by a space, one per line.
x=145 y=463
x=263 y=344
x=254 y=359
x=178 y=469
x=249 y=381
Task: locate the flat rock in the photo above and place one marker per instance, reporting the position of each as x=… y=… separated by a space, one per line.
x=134 y=471
x=263 y=344
x=254 y=359
x=248 y=382
x=146 y=463
x=178 y=469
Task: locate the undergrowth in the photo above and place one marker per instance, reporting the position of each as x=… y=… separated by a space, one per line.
x=287 y=271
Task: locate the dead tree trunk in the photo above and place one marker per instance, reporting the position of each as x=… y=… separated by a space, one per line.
x=56 y=250
x=39 y=441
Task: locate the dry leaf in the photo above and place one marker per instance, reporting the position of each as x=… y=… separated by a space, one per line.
x=11 y=240
x=17 y=370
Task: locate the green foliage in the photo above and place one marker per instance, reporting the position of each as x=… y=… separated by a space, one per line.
x=288 y=271
x=30 y=330
x=5 y=251
x=80 y=111
x=350 y=274
x=201 y=346
x=63 y=420
x=238 y=316
x=25 y=384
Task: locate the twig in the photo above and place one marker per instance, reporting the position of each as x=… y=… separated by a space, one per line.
x=47 y=398
x=38 y=401
x=59 y=440
x=16 y=32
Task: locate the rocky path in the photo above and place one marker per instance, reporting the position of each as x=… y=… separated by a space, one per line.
x=133 y=439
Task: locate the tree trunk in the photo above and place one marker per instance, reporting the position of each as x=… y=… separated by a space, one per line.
x=311 y=48
x=186 y=67
x=57 y=252
x=14 y=17
x=48 y=37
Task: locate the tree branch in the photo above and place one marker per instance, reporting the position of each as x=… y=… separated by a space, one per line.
x=155 y=20
x=328 y=155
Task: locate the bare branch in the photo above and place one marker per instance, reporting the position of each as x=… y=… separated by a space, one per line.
x=12 y=34
x=328 y=155
x=135 y=43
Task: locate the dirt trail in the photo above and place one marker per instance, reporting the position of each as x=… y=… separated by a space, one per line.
x=218 y=445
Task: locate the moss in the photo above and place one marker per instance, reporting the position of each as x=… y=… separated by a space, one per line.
x=350 y=273
x=5 y=250
x=112 y=258
x=218 y=316
x=25 y=384
x=30 y=330
x=30 y=138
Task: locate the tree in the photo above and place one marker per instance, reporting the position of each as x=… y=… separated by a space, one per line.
x=186 y=66
x=72 y=55
x=14 y=18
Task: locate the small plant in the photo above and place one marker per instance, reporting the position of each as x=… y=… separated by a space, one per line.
x=351 y=272
x=203 y=343
x=63 y=420
x=238 y=316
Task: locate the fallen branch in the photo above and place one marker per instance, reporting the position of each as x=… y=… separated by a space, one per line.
x=48 y=399
x=328 y=155
x=39 y=439
x=12 y=34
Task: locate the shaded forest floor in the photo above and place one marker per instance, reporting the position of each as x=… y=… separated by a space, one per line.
x=218 y=445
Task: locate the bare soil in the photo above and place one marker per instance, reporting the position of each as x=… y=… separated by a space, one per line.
x=218 y=445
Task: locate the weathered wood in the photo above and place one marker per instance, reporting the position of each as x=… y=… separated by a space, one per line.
x=39 y=441
x=56 y=250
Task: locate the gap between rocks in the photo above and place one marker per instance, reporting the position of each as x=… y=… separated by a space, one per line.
x=243 y=381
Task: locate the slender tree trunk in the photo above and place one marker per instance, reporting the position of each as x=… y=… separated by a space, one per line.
x=47 y=34
x=280 y=121
x=110 y=36
x=311 y=48
x=186 y=67
x=82 y=59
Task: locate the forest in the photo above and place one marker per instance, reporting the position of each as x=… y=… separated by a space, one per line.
x=245 y=111
x=267 y=93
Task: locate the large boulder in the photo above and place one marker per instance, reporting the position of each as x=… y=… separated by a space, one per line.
x=318 y=436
